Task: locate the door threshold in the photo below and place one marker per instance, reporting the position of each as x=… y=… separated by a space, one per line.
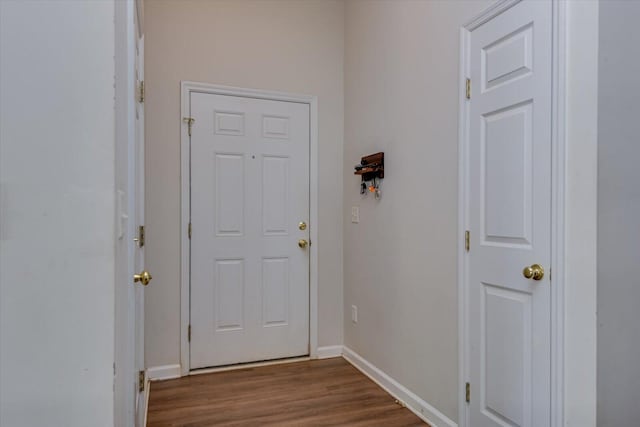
x=248 y=365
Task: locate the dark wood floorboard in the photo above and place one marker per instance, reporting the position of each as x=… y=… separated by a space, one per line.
x=327 y=392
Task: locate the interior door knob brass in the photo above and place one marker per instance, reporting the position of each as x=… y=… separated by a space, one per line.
x=303 y=243
x=144 y=278
x=535 y=272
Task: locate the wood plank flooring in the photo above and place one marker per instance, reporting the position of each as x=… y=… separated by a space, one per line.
x=327 y=392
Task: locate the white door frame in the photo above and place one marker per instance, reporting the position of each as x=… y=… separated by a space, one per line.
x=186 y=88
x=558 y=172
x=139 y=220
x=126 y=311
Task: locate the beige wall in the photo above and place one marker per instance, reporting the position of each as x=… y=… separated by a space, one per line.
x=292 y=46
x=401 y=81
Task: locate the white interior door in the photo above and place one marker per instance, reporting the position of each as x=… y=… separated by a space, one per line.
x=249 y=196
x=125 y=378
x=510 y=218
x=138 y=158
x=129 y=329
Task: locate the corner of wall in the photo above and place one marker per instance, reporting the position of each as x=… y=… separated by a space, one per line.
x=581 y=214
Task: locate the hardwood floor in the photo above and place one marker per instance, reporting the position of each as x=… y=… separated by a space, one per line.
x=327 y=392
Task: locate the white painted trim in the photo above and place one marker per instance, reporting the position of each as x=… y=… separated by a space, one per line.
x=165 y=372
x=558 y=231
x=246 y=92
x=140 y=17
x=463 y=225
x=558 y=197
x=186 y=89
x=147 y=393
x=185 y=217
x=313 y=228
x=413 y=402
x=491 y=12
x=327 y=352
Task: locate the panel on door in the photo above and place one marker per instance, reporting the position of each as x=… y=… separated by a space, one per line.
x=249 y=190
x=510 y=218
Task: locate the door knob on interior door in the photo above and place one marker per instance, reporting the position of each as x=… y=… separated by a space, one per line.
x=144 y=278
x=303 y=243
x=535 y=272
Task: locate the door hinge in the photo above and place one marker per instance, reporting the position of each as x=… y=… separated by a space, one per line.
x=189 y=121
x=141 y=91
x=189 y=230
x=189 y=333
x=140 y=381
x=467 y=240
x=140 y=239
x=467 y=393
x=468 y=89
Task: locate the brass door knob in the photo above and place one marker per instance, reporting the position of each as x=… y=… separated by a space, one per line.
x=144 y=278
x=303 y=243
x=535 y=272
x=302 y=225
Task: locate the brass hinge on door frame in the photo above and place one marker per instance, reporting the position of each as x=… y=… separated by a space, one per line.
x=189 y=231
x=468 y=89
x=189 y=121
x=467 y=392
x=141 y=91
x=189 y=333
x=467 y=240
x=141 y=381
x=140 y=239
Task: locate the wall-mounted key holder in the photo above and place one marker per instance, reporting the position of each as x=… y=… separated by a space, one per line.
x=371 y=169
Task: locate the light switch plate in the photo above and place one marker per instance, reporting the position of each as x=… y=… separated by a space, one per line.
x=355 y=214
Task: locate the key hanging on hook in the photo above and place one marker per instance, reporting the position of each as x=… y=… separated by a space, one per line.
x=373 y=186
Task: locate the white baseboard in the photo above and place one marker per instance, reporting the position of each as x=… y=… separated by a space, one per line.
x=329 y=351
x=166 y=372
x=414 y=403
x=147 y=390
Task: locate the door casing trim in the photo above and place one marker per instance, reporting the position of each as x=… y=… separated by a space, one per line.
x=186 y=88
x=558 y=197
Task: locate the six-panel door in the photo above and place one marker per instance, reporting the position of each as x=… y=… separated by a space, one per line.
x=510 y=218
x=249 y=192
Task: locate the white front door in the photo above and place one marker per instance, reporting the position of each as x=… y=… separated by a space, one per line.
x=249 y=198
x=510 y=218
